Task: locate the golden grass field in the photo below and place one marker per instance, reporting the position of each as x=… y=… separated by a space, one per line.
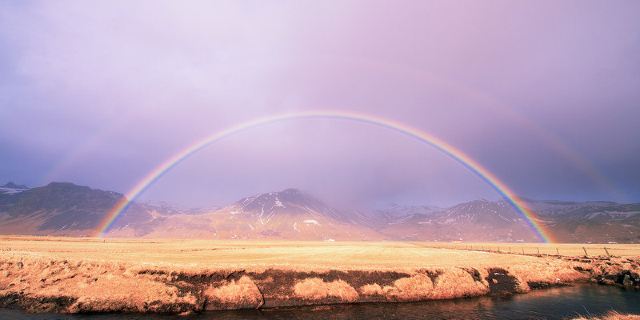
x=563 y=249
x=304 y=255
x=105 y=275
x=298 y=254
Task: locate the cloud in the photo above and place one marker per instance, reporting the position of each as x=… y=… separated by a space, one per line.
x=542 y=93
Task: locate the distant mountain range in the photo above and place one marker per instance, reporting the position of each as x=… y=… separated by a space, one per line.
x=71 y=210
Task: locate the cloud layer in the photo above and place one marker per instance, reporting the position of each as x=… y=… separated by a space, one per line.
x=544 y=94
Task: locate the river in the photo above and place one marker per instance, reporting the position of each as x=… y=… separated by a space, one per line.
x=554 y=303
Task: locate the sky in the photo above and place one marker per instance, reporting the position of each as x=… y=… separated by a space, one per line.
x=544 y=94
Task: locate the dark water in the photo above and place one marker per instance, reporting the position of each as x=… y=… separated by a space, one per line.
x=556 y=303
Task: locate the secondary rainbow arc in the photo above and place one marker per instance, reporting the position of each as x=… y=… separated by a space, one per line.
x=454 y=153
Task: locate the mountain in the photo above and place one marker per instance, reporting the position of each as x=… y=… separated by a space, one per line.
x=478 y=220
x=482 y=220
x=12 y=188
x=397 y=214
x=597 y=222
x=67 y=209
x=289 y=214
x=60 y=208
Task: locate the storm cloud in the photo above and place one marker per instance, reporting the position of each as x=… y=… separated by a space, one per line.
x=545 y=94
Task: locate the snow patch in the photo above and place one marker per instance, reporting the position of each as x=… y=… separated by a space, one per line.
x=10 y=190
x=311 y=221
x=278 y=203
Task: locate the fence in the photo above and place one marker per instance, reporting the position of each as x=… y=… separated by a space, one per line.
x=567 y=250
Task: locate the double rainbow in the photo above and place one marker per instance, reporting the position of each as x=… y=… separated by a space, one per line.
x=451 y=151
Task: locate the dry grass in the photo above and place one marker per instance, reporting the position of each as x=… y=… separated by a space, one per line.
x=612 y=315
x=371 y=289
x=301 y=255
x=563 y=249
x=103 y=287
x=434 y=284
x=456 y=282
x=87 y=275
x=236 y=294
x=555 y=271
x=414 y=288
x=317 y=289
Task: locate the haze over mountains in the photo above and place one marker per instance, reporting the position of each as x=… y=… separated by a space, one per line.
x=72 y=210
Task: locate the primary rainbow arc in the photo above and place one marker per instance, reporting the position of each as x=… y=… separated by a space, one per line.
x=161 y=169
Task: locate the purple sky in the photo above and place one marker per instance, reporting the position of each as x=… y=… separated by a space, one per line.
x=546 y=94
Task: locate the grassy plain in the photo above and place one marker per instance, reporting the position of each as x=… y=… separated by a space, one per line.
x=112 y=275
x=300 y=255
x=563 y=249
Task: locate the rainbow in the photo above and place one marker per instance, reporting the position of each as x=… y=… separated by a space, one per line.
x=454 y=153
x=389 y=69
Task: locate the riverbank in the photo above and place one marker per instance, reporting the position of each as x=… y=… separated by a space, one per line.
x=612 y=315
x=557 y=303
x=79 y=276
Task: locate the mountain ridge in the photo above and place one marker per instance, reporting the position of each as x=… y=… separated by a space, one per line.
x=63 y=208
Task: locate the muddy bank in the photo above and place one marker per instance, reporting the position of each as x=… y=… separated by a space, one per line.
x=622 y=272
x=49 y=285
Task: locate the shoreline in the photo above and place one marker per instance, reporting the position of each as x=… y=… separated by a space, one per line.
x=37 y=279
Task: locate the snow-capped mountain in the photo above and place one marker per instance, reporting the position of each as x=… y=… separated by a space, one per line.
x=12 y=188
x=483 y=220
x=591 y=221
x=291 y=202
x=68 y=209
x=479 y=220
x=288 y=214
x=60 y=208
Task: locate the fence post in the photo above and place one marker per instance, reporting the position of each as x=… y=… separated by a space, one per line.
x=557 y=252
x=523 y=251
x=607 y=251
x=585 y=252
x=538 y=250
